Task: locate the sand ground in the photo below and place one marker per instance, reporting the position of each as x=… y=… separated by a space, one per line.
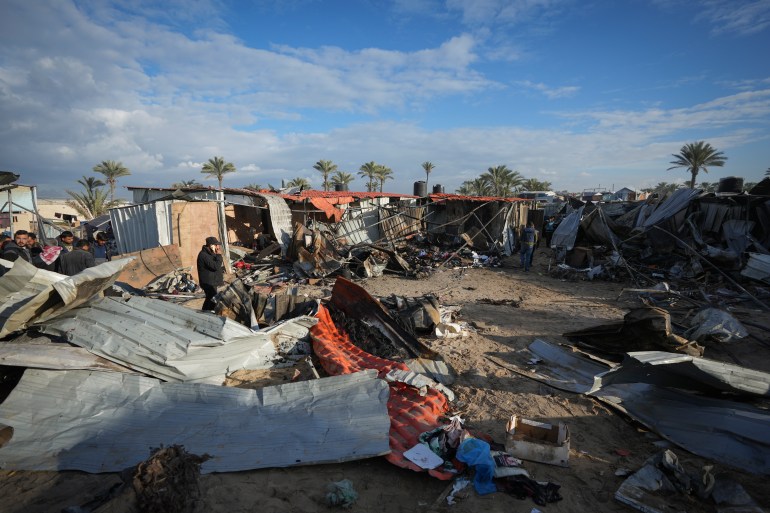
x=487 y=395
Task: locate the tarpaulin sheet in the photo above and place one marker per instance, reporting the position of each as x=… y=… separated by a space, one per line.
x=333 y=213
x=410 y=413
x=565 y=234
x=106 y=422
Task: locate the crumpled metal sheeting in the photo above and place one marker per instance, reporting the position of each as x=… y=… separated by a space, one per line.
x=725 y=431
x=33 y=294
x=675 y=203
x=165 y=340
x=562 y=369
x=106 y=422
x=280 y=219
x=686 y=372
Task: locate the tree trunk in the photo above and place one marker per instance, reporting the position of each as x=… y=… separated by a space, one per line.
x=692 y=182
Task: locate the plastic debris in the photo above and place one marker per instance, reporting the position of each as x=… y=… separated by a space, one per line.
x=342 y=494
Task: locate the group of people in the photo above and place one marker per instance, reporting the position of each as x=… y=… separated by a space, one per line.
x=67 y=255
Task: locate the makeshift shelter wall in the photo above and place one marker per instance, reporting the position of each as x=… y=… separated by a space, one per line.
x=192 y=222
x=138 y=227
x=148 y=264
x=244 y=223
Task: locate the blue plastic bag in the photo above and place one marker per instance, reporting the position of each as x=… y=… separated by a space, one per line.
x=475 y=453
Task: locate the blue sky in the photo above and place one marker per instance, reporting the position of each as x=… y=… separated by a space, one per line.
x=582 y=93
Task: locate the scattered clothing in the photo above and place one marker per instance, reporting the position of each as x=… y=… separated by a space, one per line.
x=522 y=487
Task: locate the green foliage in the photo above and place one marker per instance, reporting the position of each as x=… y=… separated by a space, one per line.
x=325 y=167
x=253 y=187
x=696 y=157
x=299 y=182
x=383 y=173
x=533 y=184
x=368 y=171
x=475 y=187
x=217 y=168
x=428 y=167
x=341 y=177
x=112 y=171
x=92 y=202
x=502 y=181
x=186 y=183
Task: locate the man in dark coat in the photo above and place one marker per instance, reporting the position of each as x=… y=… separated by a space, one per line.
x=17 y=248
x=211 y=273
x=76 y=260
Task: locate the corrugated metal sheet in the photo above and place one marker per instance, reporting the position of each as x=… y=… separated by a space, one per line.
x=677 y=202
x=758 y=267
x=400 y=222
x=168 y=341
x=280 y=219
x=687 y=372
x=143 y=226
x=30 y=294
x=106 y=422
x=721 y=430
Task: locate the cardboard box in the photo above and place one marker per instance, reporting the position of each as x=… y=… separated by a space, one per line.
x=538 y=441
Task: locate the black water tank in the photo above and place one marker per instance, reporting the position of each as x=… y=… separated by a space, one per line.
x=340 y=187
x=730 y=185
x=438 y=189
x=420 y=189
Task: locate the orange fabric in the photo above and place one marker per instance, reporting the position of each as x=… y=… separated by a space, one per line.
x=333 y=213
x=410 y=413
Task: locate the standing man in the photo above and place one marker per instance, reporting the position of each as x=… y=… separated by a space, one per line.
x=211 y=273
x=76 y=260
x=67 y=241
x=528 y=241
x=550 y=227
x=17 y=248
x=100 y=250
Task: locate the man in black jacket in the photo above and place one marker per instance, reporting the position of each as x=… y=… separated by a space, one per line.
x=17 y=248
x=77 y=260
x=211 y=273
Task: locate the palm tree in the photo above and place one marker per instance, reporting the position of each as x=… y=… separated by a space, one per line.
x=475 y=187
x=665 y=187
x=112 y=171
x=428 y=167
x=502 y=181
x=325 y=167
x=186 y=183
x=767 y=173
x=532 y=184
x=217 y=168
x=341 y=177
x=383 y=173
x=302 y=183
x=93 y=201
x=368 y=170
x=708 y=186
x=749 y=185
x=697 y=156
x=253 y=187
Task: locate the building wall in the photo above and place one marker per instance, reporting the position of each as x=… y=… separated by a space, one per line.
x=191 y=223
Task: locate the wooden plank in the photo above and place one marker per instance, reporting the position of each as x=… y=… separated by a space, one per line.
x=148 y=264
x=192 y=222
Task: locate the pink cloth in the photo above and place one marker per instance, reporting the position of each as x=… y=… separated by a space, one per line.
x=50 y=254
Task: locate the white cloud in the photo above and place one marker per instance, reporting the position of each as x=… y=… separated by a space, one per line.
x=548 y=91
x=743 y=17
